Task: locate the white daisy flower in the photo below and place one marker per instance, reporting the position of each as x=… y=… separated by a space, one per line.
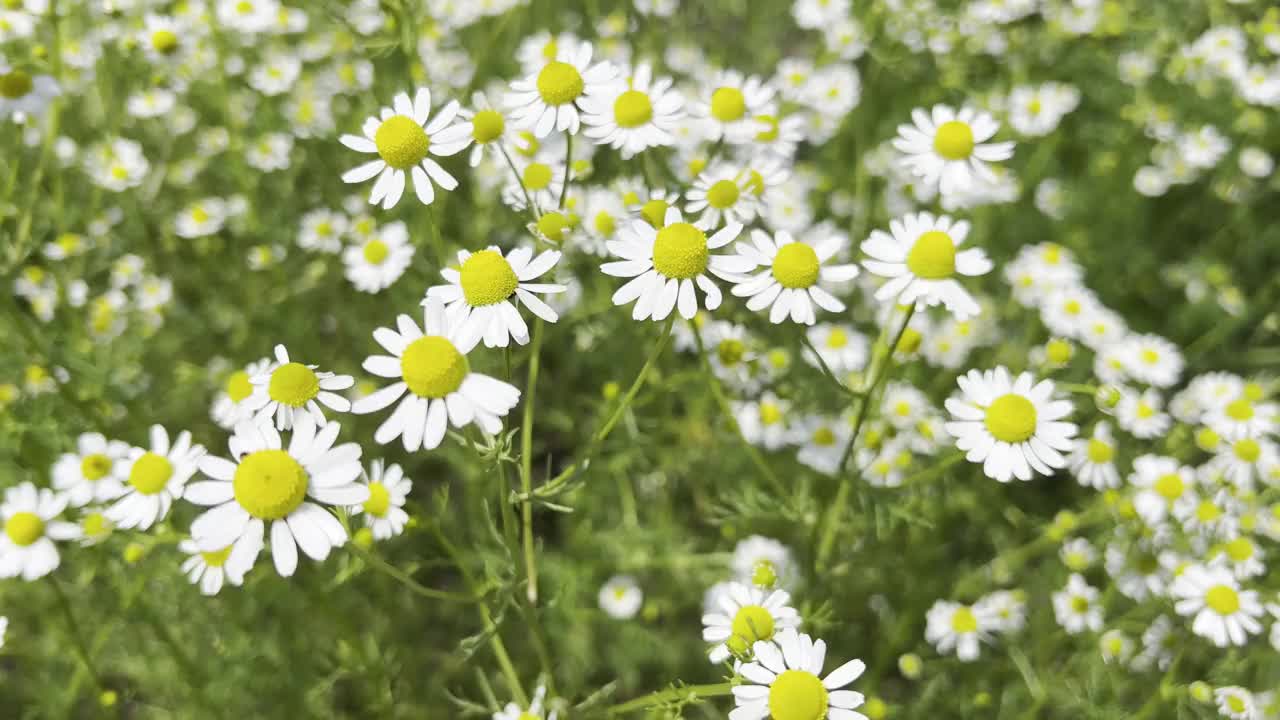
x=1224 y=614
x=842 y=348
x=764 y=422
x=947 y=149
x=1076 y=606
x=547 y=100
x=746 y=616
x=757 y=559
x=265 y=482
x=1115 y=646
x=376 y=263
x=92 y=472
x=436 y=382
x=1152 y=360
x=784 y=683
x=23 y=94
x=1243 y=461
x=1004 y=610
x=791 y=284
x=1092 y=460
x=322 y=229
x=1142 y=414
x=384 y=513
x=635 y=114
x=488 y=127
x=1011 y=425
x=288 y=390
x=27 y=547
x=954 y=627
x=155 y=478
x=1236 y=703
x=665 y=263
x=479 y=297
x=405 y=137
x=730 y=105
x=1243 y=417
x=535 y=710
x=211 y=570
x=722 y=193
x=620 y=597
x=539 y=182
x=230 y=407
x=921 y=260
x=1243 y=556
x=1159 y=483
x=823 y=441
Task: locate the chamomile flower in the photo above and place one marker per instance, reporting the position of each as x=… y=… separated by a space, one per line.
x=1077 y=607
x=488 y=127
x=1243 y=417
x=1152 y=360
x=1224 y=614
x=634 y=114
x=23 y=94
x=949 y=149
x=921 y=260
x=375 y=264
x=92 y=472
x=384 y=513
x=435 y=380
x=1092 y=460
x=547 y=100
x=764 y=422
x=763 y=562
x=665 y=263
x=211 y=570
x=202 y=218
x=535 y=710
x=722 y=194
x=322 y=230
x=822 y=443
x=27 y=517
x=842 y=348
x=230 y=407
x=1236 y=703
x=405 y=137
x=1004 y=610
x=1243 y=556
x=620 y=597
x=479 y=297
x=792 y=283
x=1159 y=482
x=1142 y=414
x=956 y=628
x=1115 y=646
x=1011 y=425
x=286 y=390
x=154 y=478
x=785 y=683
x=1243 y=461
x=729 y=105
x=266 y=482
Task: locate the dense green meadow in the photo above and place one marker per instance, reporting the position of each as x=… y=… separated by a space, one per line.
x=578 y=359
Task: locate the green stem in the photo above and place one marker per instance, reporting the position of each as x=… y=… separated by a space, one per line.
x=661 y=697
x=73 y=629
x=826 y=370
x=568 y=169
x=403 y=578
x=526 y=466
x=528 y=199
x=879 y=374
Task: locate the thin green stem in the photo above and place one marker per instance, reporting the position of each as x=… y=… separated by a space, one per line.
x=73 y=629
x=826 y=369
x=403 y=578
x=568 y=169
x=528 y=199
x=526 y=466
x=881 y=365
x=675 y=694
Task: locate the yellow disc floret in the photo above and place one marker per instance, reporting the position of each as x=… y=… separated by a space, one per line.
x=752 y=623
x=797 y=695
x=379 y=500
x=24 y=528
x=654 y=212
x=293 y=384
x=150 y=473
x=963 y=621
x=1169 y=486
x=723 y=194
x=1011 y=418
x=1100 y=452
x=217 y=558
x=954 y=140
x=164 y=41
x=94 y=467
x=537 y=176
x=269 y=484
x=432 y=367
x=401 y=142
x=487 y=126
x=1222 y=599
x=15 y=84
x=560 y=83
x=796 y=266
x=632 y=109
x=933 y=256
x=375 y=252
x=680 y=251
x=238 y=386
x=728 y=104
x=487 y=278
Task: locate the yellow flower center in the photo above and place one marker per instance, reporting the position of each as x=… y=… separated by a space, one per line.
x=680 y=251
x=487 y=278
x=765 y=575
x=605 y=223
x=1240 y=410
x=1240 y=549
x=1253 y=391
x=632 y=109
x=752 y=623
x=1011 y=418
x=723 y=194
x=217 y=558
x=1247 y=450
x=238 y=386
x=963 y=621
x=24 y=528
x=150 y=473
x=269 y=484
x=1222 y=599
x=164 y=41
x=1145 y=411
x=771 y=132
x=432 y=367
x=293 y=384
x=796 y=266
x=1100 y=452
x=559 y=83
x=1235 y=704
x=824 y=436
x=95 y=524
x=15 y=84
x=95 y=467
x=379 y=500
x=199 y=214
x=1207 y=511
x=1080 y=604
x=797 y=695
x=1058 y=352
x=770 y=413
x=731 y=351
x=375 y=251
x=553 y=226
x=528 y=716
x=244 y=7
x=1149 y=356
x=933 y=256
x=728 y=104
x=837 y=338
x=401 y=142
x=487 y=126
x=1169 y=486
x=655 y=212
x=537 y=176
x=954 y=140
